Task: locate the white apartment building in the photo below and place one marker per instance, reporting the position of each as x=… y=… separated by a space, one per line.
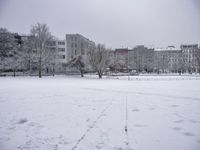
x=61 y=59
x=78 y=45
x=59 y=46
x=61 y=51
x=190 y=57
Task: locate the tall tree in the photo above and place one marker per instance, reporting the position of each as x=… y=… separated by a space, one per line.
x=78 y=63
x=99 y=59
x=41 y=35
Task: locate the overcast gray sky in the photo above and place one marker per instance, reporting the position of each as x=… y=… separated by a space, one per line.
x=115 y=23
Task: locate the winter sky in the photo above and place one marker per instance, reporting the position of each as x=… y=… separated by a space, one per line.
x=115 y=23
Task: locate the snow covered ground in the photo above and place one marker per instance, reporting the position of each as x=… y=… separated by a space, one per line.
x=72 y=113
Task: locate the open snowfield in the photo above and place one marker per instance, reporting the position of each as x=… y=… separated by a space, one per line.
x=72 y=113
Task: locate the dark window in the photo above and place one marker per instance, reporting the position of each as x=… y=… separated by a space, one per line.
x=62 y=56
x=61 y=49
x=51 y=43
x=61 y=43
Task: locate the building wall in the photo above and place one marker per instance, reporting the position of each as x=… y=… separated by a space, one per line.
x=62 y=51
x=77 y=45
x=189 y=57
x=121 y=58
x=167 y=60
x=141 y=58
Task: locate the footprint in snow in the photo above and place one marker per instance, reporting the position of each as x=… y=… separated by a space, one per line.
x=140 y=125
x=135 y=110
x=179 y=121
x=152 y=108
x=22 y=121
x=100 y=145
x=174 y=105
x=176 y=128
x=188 y=134
x=194 y=121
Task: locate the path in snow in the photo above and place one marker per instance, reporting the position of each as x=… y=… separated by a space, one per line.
x=80 y=114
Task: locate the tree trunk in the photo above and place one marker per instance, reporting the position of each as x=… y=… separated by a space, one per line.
x=40 y=74
x=100 y=75
x=199 y=69
x=82 y=74
x=14 y=73
x=53 y=72
x=40 y=67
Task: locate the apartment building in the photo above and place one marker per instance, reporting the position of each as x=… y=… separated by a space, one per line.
x=59 y=47
x=78 y=45
x=61 y=51
x=141 y=58
x=121 y=59
x=168 y=59
x=190 y=57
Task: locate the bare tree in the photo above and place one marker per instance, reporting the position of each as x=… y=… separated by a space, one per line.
x=78 y=63
x=41 y=35
x=98 y=59
x=28 y=54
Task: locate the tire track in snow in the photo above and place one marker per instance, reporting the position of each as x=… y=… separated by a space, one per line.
x=126 y=125
x=91 y=127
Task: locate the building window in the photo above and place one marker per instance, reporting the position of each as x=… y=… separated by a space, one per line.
x=61 y=49
x=62 y=56
x=61 y=43
x=51 y=43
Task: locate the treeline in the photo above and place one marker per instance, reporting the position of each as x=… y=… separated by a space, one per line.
x=28 y=54
x=34 y=54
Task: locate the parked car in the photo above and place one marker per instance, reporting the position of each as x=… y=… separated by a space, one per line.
x=134 y=73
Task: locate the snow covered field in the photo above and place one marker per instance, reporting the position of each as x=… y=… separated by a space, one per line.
x=71 y=113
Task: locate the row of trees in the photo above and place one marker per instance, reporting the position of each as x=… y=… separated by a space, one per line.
x=36 y=53
x=29 y=54
x=98 y=58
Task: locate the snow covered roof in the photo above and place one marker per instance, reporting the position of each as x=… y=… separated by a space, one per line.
x=169 y=48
